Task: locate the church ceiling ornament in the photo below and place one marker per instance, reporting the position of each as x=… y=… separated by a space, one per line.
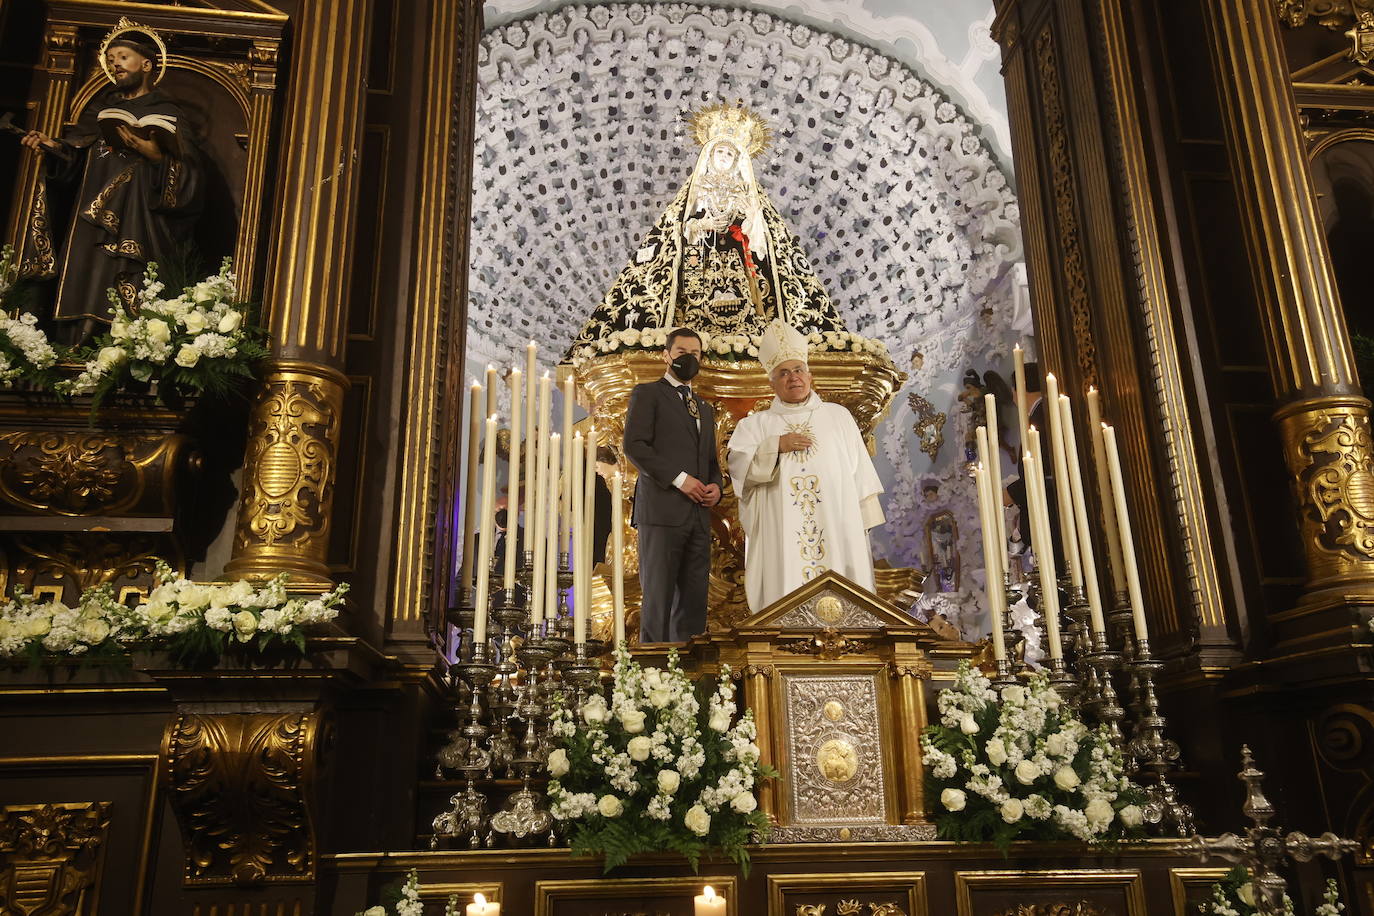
x=897 y=201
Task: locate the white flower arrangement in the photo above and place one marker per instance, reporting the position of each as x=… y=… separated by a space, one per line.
x=200 y=340
x=651 y=770
x=25 y=353
x=195 y=623
x=726 y=347
x=1235 y=895
x=407 y=901
x=1022 y=766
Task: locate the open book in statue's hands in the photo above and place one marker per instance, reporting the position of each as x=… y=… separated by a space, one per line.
x=158 y=127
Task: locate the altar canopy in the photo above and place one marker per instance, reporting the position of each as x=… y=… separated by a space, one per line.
x=719 y=257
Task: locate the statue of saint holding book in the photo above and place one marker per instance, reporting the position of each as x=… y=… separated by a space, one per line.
x=137 y=166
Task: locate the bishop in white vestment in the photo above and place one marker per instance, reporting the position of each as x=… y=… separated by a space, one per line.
x=807 y=488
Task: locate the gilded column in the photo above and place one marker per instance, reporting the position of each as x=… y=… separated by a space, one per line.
x=291 y=460
x=908 y=675
x=1323 y=416
x=757 y=680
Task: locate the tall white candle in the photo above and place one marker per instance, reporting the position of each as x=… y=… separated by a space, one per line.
x=589 y=515
x=1080 y=514
x=579 y=575
x=513 y=545
x=1123 y=518
x=555 y=539
x=487 y=534
x=1104 y=493
x=1022 y=402
x=536 y=517
x=618 y=553
x=996 y=597
x=568 y=400
x=533 y=428
x=1068 y=536
x=470 y=485
x=994 y=466
x=492 y=379
x=1040 y=527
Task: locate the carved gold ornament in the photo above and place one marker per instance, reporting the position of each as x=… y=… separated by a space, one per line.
x=1334 y=469
x=826 y=644
x=289 y=472
x=833 y=710
x=241 y=787
x=829 y=609
x=66 y=472
x=930 y=424
x=50 y=856
x=124 y=25
x=1081 y=908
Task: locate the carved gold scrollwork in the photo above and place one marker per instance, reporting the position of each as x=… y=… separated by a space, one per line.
x=1066 y=204
x=851 y=908
x=50 y=856
x=64 y=472
x=78 y=561
x=1081 y=908
x=1329 y=454
x=241 y=787
x=283 y=520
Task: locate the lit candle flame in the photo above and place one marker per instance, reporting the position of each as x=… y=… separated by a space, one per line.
x=710 y=894
x=479 y=899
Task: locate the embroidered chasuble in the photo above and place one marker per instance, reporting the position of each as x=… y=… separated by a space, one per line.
x=803 y=512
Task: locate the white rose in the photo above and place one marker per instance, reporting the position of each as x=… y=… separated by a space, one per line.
x=245 y=625
x=93 y=631
x=968 y=725
x=668 y=781
x=558 y=763
x=230 y=322
x=119 y=329
x=375 y=911
x=1065 y=778
x=610 y=806
x=997 y=752
x=594 y=710
x=1055 y=746
x=1027 y=772
x=744 y=802
x=1014 y=694
x=1099 y=812
x=239 y=592
x=37 y=626
x=639 y=748
x=157 y=331
x=720 y=720
x=1012 y=810
x=195 y=321
x=205 y=291
x=187 y=356
x=1131 y=816
x=953 y=799
x=660 y=697
x=1246 y=893
x=697 y=820
x=109 y=357
x=158 y=611
x=632 y=720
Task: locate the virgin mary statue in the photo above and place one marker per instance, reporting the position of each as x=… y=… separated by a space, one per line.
x=719 y=258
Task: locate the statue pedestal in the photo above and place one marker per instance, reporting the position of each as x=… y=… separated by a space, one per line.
x=863 y=382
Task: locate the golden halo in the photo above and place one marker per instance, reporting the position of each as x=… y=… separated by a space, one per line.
x=731 y=121
x=125 y=24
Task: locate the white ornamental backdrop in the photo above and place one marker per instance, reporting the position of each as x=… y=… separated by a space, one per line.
x=906 y=216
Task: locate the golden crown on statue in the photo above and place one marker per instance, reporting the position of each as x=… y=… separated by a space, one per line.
x=733 y=122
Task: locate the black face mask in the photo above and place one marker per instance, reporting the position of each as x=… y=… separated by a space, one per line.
x=685 y=367
x=500 y=518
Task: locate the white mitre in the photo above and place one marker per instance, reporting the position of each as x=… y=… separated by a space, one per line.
x=779 y=343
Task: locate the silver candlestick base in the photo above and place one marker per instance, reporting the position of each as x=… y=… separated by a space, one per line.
x=1151 y=751
x=582 y=673
x=1101 y=698
x=1065 y=683
x=1005 y=676
x=467 y=814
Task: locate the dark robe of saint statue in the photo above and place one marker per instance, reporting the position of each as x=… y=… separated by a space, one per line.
x=137 y=170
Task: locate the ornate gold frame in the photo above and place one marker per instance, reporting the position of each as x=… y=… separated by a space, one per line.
x=878 y=882
x=548 y=893
x=1127 y=881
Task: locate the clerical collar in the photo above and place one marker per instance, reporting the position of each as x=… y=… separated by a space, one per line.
x=811 y=403
x=673 y=380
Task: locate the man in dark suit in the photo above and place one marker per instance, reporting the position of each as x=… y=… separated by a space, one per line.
x=670 y=436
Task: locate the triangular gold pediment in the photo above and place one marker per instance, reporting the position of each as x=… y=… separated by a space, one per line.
x=829 y=601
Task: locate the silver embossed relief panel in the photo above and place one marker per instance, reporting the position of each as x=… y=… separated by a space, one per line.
x=829 y=610
x=834 y=749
